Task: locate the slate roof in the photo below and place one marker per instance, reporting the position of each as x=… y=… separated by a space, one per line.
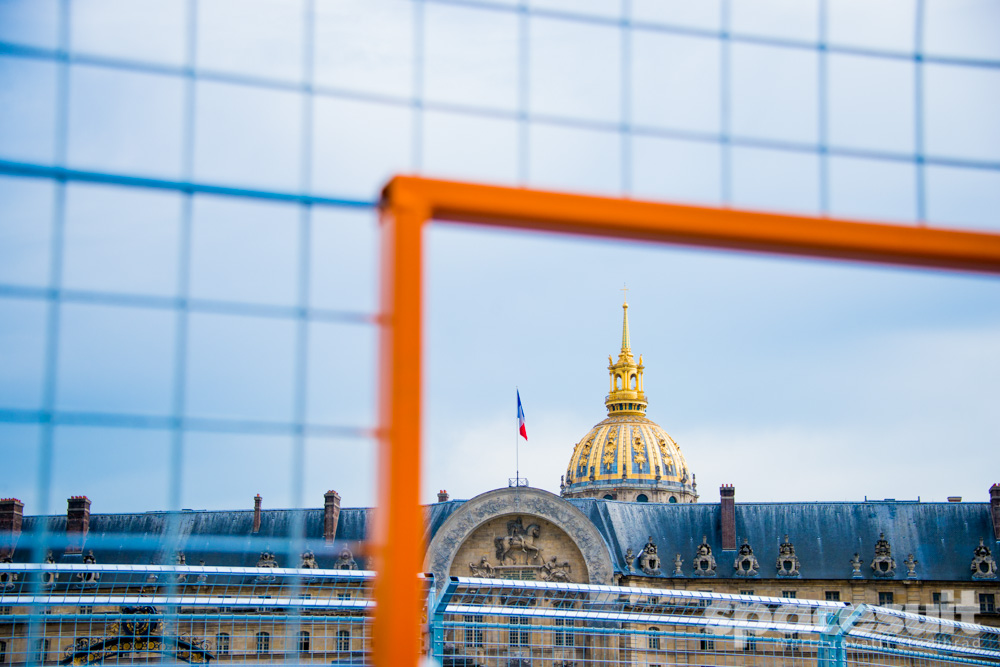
x=941 y=536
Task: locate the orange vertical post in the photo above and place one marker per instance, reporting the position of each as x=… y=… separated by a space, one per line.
x=399 y=527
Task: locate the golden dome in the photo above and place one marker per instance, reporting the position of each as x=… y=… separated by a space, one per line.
x=627 y=456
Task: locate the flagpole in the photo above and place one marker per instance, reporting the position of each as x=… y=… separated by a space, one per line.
x=517 y=441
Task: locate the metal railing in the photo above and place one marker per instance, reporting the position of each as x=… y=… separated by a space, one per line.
x=96 y=613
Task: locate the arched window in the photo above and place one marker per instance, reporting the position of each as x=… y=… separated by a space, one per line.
x=618 y=382
x=673 y=499
x=343 y=640
x=303 y=641
x=608 y=496
x=222 y=643
x=654 y=639
x=641 y=498
x=632 y=383
x=263 y=643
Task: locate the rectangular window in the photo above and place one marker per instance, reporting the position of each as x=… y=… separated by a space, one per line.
x=987 y=603
x=10 y=610
x=707 y=644
x=41 y=649
x=654 y=641
x=3 y=651
x=343 y=595
x=222 y=643
x=750 y=643
x=343 y=640
x=518 y=636
x=86 y=609
x=884 y=598
x=833 y=596
x=789 y=594
x=263 y=643
x=474 y=635
x=746 y=592
x=265 y=609
x=303 y=642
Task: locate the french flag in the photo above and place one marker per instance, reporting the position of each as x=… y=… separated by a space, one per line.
x=520 y=417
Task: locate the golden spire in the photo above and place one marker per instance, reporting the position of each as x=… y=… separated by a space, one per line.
x=626 y=394
x=626 y=343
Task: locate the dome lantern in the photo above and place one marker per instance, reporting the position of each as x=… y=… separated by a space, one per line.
x=627 y=456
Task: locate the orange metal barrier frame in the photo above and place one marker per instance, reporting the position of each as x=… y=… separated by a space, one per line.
x=410 y=202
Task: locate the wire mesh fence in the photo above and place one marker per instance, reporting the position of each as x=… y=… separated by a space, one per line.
x=128 y=614
x=480 y=622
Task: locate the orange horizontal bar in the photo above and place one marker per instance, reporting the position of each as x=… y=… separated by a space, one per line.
x=700 y=226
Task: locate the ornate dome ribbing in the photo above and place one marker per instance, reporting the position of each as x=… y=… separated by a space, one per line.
x=627 y=456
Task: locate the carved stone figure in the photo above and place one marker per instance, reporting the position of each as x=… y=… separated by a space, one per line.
x=704 y=561
x=309 y=561
x=638 y=452
x=983 y=565
x=180 y=559
x=7 y=579
x=630 y=559
x=267 y=559
x=89 y=577
x=856 y=564
x=521 y=539
x=202 y=578
x=484 y=570
x=884 y=565
x=788 y=562
x=49 y=578
x=746 y=564
x=678 y=561
x=649 y=560
x=345 y=561
x=555 y=571
x=911 y=566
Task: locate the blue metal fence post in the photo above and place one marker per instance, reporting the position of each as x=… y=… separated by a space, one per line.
x=436 y=609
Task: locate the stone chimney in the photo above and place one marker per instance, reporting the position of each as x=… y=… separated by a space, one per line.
x=256 y=513
x=995 y=509
x=443 y=496
x=11 y=515
x=331 y=515
x=77 y=523
x=728 y=504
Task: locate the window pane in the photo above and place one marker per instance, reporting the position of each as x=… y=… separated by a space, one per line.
x=244 y=251
x=347 y=57
x=30 y=22
x=963 y=197
x=149 y=31
x=125 y=121
x=470 y=148
x=776 y=180
x=27 y=110
x=25 y=230
x=358 y=146
x=248 y=136
x=121 y=239
x=676 y=170
x=774 y=93
x=882 y=24
x=961 y=111
x=341 y=375
x=871 y=103
x=706 y=14
x=675 y=81
x=566 y=158
x=575 y=70
x=115 y=359
x=222 y=468
x=470 y=56
x=22 y=353
x=113 y=466
x=240 y=367
x=873 y=189
x=790 y=19
x=261 y=38
x=344 y=256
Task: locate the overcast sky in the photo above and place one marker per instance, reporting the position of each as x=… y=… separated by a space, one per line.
x=793 y=380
